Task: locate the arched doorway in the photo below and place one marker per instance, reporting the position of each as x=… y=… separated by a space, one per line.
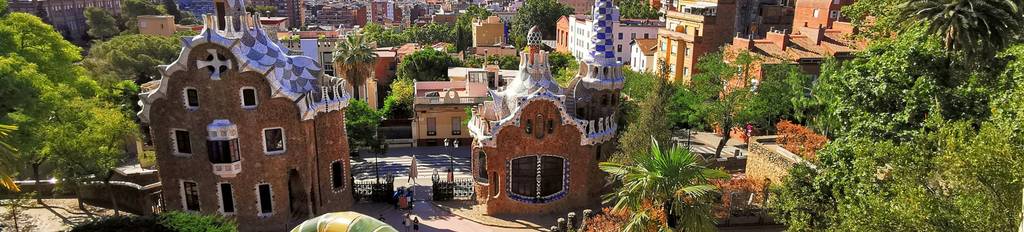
x=298 y=200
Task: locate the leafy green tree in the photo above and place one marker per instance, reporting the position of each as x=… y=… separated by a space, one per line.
x=398 y=104
x=774 y=96
x=361 y=123
x=172 y=9
x=131 y=57
x=426 y=65
x=383 y=37
x=102 y=24
x=541 y=13
x=720 y=92
x=893 y=85
x=638 y=85
x=354 y=58
x=61 y=114
x=917 y=145
x=674 y=178
x=3 y=8
x=636 y=9
x=979 y=28
x=648 y=121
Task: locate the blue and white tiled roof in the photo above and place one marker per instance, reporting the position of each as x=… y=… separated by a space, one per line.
x=297 y=78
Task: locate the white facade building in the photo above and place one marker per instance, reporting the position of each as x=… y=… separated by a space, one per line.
x=642 y=55
x=625 y=31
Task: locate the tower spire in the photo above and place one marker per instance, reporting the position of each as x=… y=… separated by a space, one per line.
x=602 y=44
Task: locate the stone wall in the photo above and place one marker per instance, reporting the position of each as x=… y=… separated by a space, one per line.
x=769 y=162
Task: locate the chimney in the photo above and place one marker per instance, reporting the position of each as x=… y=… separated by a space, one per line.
x=779 y=38
x=816 y=34
x=743 y=43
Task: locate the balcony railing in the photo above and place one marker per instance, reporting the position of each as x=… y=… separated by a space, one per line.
x=227 y=170
x=441 y=100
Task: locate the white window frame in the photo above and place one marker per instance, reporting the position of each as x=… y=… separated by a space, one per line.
x=220 y=198
x=816 y=12
x=284 y=141
x=833 y=14
x=255 y=97
x=259 y=203
x=174 y=142
x=184 y=198
x=184 y=98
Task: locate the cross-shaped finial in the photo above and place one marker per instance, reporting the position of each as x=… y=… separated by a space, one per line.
x=216 y=63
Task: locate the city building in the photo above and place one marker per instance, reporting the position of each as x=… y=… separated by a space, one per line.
x=66 y=16
x=806 y=48
x=157 y=25
x=642 y=55
x=292 y=9
x=578 y=6
x=626 y=30
x=696 y=28
x=813 y=38
x=488 y=32
x=562 y=35
x=440 y=106
x=504 y=50
x=818 y=13
x=243 y=130
x=536 y=146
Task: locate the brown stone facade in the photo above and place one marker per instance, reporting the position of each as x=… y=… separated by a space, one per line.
x=299 y=177
x=585 y=180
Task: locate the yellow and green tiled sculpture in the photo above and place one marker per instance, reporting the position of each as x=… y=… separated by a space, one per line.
x=343 y=222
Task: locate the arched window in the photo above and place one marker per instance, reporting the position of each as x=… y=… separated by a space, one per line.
x=529 y=126
x=551 y=126
x=537 y=179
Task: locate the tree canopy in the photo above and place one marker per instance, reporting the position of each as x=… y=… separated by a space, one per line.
x=361 y=123
x=426 y=65
x=131 y=57
x=102 y=24
x=636 y=9
x=917 y=141
x=61 y=113
x=540 y=13
x=399 y=102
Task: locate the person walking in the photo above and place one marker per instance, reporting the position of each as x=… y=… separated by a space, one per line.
x=406 y=222
x=415 y=225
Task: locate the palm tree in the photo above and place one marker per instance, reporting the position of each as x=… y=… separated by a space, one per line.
x=355 y=59
x=675 y=180
x=7 y=160
x=977 y=27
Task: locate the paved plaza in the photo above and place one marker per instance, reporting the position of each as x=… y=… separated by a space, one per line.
x=398 y=160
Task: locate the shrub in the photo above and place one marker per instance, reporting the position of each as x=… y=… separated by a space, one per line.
x=166 y=222
x=799 y=139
